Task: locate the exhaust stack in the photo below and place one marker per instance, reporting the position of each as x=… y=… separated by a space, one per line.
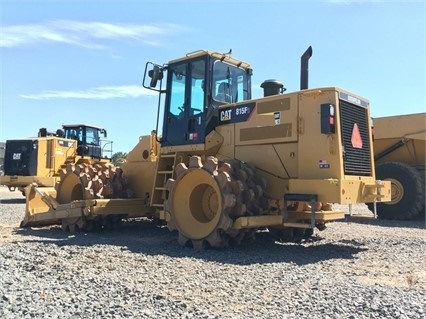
x=304 y=68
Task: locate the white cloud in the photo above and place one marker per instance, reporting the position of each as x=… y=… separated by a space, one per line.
x=92 y=35
x=100 y=93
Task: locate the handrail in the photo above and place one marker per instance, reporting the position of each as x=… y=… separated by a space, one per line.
x=104 y=144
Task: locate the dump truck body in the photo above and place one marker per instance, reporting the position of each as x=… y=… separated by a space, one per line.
x=401 y=138
x=399 y=150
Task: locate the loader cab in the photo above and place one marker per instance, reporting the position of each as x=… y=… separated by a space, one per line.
x=88 y=139
x=196 y=86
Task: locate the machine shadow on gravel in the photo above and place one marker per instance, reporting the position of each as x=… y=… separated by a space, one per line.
x=418 y=223
x=148 y=239
x=12 y=201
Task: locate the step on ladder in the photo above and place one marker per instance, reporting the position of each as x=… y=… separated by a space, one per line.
x=165 y=166
x=311 y=198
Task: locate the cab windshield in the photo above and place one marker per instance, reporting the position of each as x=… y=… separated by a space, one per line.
x=83 y=134
x=229 y=83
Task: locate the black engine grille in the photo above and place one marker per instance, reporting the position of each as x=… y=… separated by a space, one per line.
x=357 y=161
x=20 y=158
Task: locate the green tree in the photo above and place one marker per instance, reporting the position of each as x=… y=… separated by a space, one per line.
x=118 y=158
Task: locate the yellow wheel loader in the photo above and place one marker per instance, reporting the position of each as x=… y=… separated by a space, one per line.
x=399 y=150
x=225 y=164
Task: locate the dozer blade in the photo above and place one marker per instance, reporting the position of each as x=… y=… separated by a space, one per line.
x=42 y=209
x=40 y=205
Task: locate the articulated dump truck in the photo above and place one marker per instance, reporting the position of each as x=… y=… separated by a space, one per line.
x=225 y=164
x=400 y=157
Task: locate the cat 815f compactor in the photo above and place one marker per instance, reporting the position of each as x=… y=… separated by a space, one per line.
x=225 y=164
x=40 y=159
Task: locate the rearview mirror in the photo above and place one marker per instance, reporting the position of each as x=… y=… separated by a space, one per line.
x=155 y=74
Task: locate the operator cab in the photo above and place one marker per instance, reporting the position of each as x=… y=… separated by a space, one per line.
x=87 y=137
x=196 y=86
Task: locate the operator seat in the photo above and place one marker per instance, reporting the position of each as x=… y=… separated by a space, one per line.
x=73 y=135
x=223 y=93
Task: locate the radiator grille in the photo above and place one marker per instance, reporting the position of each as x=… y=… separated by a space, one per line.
x=357 y=161
x=20 y=158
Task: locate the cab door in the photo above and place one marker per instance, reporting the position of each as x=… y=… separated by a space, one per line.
x=184 y=121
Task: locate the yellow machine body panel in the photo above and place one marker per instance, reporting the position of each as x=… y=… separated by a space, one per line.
x=140 y=165
x=282 y=138
x=52 y=154
x=37 y=160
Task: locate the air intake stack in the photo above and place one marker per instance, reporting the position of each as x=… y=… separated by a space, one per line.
x=304 y=68
x=272 y=87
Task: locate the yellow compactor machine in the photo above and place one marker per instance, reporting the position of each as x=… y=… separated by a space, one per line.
x=226 y=164
x=40 y=159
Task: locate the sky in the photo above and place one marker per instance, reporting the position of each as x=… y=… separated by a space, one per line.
x=68 y=62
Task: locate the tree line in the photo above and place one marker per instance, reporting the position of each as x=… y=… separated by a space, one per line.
x=118 y=158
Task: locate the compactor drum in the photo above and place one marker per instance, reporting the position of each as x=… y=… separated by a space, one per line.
x=86 y=181
x=206 y=198
x=89 y=182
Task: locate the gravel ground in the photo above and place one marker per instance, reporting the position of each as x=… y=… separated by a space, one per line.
x=357 y=269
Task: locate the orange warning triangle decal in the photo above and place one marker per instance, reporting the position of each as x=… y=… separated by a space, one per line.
x=356 y=137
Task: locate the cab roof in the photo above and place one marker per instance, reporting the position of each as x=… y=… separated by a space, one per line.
x=221 y=56
x=78 y=125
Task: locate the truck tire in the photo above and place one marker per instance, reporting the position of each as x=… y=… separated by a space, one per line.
x=407 y=188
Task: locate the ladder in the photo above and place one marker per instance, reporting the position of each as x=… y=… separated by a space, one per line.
x=165 y=166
